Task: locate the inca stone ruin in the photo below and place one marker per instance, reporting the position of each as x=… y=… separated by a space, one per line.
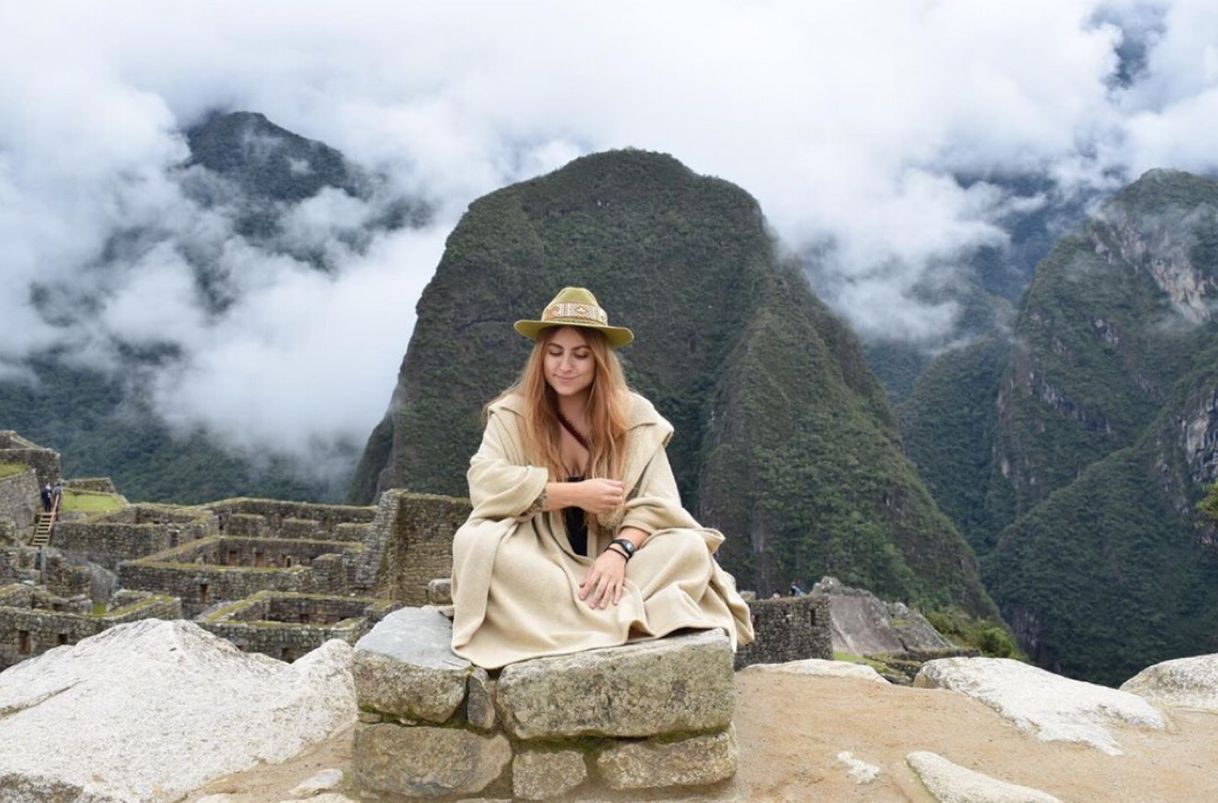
x=283 y=578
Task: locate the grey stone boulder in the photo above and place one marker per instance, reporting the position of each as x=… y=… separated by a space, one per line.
x=696 y=761
x=817 y=667
x=480 y=704
x=679 y=684
x=1183 y=682
x=543 y=774
x=426 y=761
x=324 y=781
x=152 y=710
x=951 y=783
x=440 y=591
x=1053 y=707
x=405 y=667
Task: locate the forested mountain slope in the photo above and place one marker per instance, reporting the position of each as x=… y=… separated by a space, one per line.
x=1090 y=437
x=784 y=439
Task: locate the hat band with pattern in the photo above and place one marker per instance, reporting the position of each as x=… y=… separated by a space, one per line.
x=575 y=312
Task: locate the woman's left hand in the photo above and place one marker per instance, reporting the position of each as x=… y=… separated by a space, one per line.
x=603 y=582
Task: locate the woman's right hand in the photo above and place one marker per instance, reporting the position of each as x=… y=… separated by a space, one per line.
x=599 y=495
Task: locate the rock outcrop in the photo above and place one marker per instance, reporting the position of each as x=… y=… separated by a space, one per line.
x=784 y=439
x=1183 y=682
x=1053 y=707
x=821 y=668
x=655 y=714
x=864 y=624
x=154 y=709
x=951 y=783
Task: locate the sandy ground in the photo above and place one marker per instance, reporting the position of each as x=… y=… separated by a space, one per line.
x=792 y=728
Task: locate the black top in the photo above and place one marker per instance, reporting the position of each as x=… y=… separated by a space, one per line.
x=577 y=525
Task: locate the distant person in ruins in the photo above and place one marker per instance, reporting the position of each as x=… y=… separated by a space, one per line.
x=46 y=498
x=56 y=493
x=578 y=538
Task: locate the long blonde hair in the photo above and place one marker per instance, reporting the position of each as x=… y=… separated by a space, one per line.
x=607 y=406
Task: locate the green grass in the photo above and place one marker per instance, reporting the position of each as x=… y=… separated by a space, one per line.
x=12 y=469
x=851 y=658
x=980 y=634
x=90 y=502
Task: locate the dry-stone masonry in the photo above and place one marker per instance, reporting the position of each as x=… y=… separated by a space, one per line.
x=16 y=449
x=225 y=569
x=33 y=621
x=414 y=535
x=650 y=715
x=284 y=625
x=788 y=629
x=100 y=485
x=19 y=506
x=107 y=539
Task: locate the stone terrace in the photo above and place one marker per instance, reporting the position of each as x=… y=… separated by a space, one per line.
x=286 y=625
x=16 y=449
x=272 y=518
x=33 y=621
x=225 y=569
x=133 y=532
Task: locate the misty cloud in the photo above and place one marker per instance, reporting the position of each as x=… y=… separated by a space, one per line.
x=851 y=123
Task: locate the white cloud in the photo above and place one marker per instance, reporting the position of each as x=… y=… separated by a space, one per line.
x=846 y=120
x=308 y=355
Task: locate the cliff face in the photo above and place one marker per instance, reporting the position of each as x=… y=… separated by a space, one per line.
x=1098 y=437
x=784 y=439
x=1105 y=332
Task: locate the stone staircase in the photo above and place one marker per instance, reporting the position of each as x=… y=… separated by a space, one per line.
x=42 y=529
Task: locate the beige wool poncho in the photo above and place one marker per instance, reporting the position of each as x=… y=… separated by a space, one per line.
x=516 y=579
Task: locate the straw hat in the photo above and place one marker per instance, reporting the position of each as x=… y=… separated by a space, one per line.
x=575 y=306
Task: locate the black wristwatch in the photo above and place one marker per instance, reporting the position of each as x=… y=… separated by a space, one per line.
x=626 y=545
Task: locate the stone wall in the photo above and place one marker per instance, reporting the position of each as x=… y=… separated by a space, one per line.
x=198 y=574
x=226 y=550
x=16 y=449
x=63 y=575
x=788 y=629
x=101 y=485
x=273 y=518
x=20 y=504
x=18 y=564
x=9 y=439
x=27 y=631
x=286 y=626
x=108 y=539
x=621 y=723
x=412 y=536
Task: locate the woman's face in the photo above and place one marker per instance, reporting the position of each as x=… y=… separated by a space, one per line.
x=569 y=365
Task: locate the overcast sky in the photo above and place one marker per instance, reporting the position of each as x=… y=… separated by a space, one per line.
x=846 y=120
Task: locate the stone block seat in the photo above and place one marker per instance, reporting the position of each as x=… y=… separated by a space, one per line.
x=651 y=718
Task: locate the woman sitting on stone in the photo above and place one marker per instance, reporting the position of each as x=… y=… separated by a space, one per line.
x=577 y=537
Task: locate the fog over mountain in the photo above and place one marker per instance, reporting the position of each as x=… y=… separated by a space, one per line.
x=890 y=142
